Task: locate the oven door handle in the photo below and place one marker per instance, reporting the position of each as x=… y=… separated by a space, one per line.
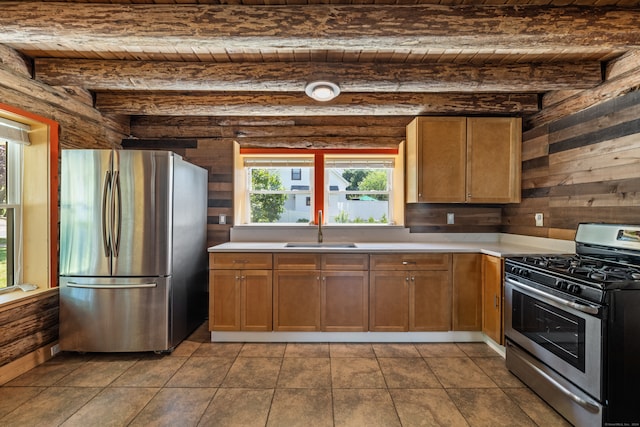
x=580 y=307
x=589 y=405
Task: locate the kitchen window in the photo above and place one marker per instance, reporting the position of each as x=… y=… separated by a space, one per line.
x=10 y=230
x=272 y=195
x=290 y=186
x=358 y=190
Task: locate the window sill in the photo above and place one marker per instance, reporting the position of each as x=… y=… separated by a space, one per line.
x=19 y=297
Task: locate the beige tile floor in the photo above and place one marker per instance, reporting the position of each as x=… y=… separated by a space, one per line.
x=234 y=384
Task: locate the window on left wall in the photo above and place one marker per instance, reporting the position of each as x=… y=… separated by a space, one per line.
x=10 y=212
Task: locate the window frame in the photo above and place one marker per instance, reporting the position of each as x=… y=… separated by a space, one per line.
x=39 y=208
x=319 y=191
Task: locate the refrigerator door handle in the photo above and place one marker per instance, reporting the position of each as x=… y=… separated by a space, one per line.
x=110 y=286
x=106 y=237
x=117 y=217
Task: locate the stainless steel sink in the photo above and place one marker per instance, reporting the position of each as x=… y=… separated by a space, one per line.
x=319 y=245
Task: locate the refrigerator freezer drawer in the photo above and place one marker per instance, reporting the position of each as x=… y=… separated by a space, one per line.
x=115 y=314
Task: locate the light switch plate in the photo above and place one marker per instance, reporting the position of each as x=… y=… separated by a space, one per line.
x=451 y=218
x=539 y=220
x=222 y=219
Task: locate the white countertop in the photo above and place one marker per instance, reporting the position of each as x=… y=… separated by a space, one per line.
x=501 y=249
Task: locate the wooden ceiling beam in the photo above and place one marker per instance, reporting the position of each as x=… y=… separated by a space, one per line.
x=298 y=104
x=293 y=76
x=205 y=28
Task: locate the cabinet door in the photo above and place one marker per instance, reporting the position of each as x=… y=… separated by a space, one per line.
x=493 y=159
x=389 y=301
x=296 y=298
x=345 y=301
x=224 y=300
x=492 y=297
x=467 y=292
x=429 y=301
x=435 y=160
x=256 y=300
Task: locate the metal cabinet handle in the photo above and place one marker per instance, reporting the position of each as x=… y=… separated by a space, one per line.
x=409 y=263
x=577 y=306
x=495 y=301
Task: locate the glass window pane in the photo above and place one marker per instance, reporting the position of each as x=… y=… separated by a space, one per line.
x=6 y=247
x=3 y=172
x=280 y=195
x=358 y=195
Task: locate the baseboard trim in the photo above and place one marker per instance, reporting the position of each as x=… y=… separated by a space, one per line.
x=414 y=337
x=27 y=362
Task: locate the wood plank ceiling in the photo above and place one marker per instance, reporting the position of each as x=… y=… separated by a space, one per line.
x=191 y=65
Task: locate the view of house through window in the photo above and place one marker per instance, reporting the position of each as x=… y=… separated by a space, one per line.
x=279 y=190
x=357 y=190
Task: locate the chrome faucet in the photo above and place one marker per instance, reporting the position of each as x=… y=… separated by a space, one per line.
x=319 y=226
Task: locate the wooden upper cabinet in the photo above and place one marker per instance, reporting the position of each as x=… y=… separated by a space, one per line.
x=463 y=160
x=494 y=159
x=435 y=159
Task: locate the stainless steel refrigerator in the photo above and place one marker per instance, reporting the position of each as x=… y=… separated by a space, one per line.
x=133 y=256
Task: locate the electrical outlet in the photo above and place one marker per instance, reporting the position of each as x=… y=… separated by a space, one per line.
x=222 y=219
x=55 y=349
x=451 y=218
x=539 y=220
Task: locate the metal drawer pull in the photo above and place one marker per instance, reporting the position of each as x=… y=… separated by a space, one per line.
x=96 y=286
x=588 y=405
x=580 y=307
x=409 y=262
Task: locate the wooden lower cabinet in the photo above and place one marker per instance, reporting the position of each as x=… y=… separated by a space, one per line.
x=388 y=301
x=240 y=300
x=321 y=292
x=240 y=292
x=467 y=292
x=429 y=301
x=296 y=299
x=406 y=298
x=345 y=301
x=492 y=297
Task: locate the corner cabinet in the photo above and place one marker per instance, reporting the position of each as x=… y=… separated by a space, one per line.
x=492 y=297
x=467 y=292
x=463 y=160
x=240 y=292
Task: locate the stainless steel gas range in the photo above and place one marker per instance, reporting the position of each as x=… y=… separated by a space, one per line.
x=572 y=326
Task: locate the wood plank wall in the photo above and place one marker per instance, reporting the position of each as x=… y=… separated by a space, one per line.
x=28 y=326
x=583 y=167
x=432 y=218
x=216 y=156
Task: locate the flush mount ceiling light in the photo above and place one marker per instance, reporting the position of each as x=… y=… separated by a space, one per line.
x=322 y=91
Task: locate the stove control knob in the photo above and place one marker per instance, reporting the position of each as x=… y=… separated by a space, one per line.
x=561 y=284
x=574 y=289
x=525 y=273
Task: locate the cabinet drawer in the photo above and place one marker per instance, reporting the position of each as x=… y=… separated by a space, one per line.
x=297 y=261
x=410 y=261
x=345 y=262
x=240 y=260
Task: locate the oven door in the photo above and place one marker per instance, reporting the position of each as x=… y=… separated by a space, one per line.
x=560 y=333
